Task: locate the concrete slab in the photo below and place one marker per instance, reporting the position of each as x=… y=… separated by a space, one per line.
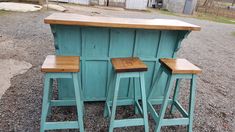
x=8 y=69
x=55 y=7
x=110 y=8
x=20 y=7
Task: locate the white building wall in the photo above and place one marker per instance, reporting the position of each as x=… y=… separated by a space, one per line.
x=82 y=2
x=136 y=4
x=101 y=2
x=175 y=5
x=117 y=3
x=129 y=4
x=180 y=6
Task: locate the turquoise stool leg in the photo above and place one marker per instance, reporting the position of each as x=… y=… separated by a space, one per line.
x=45 y=103
x=144 y=103
x=187 y=118
x=81 y=94
x=175 y=95
x=115 y=102
x=50 y=95
x=79 y=102
x=159 y=73
x=168 y=88
x=48 y=102
x=192 y=102
x=116 y=89
x=135 y=95
x=107 y=111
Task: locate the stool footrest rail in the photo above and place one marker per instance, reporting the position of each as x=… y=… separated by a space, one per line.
x=128 y=122
x=61 y=125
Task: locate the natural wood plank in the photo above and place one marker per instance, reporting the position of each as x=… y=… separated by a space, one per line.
x=180 y=66
x=54 y=63
x=130 y=64
x=82 y=20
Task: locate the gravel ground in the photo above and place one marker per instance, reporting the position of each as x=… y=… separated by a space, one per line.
x=30 y=40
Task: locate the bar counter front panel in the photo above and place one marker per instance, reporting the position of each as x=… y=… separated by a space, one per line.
x=97 y=45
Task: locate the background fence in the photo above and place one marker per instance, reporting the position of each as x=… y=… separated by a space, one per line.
x=217 y=7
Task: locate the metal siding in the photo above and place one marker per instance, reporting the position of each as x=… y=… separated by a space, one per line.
x=83 y=2
x=118 y=3
x=136 y=4
x=189 y=6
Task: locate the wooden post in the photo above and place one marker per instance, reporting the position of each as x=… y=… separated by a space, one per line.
x=41 y=2
x=165 y=2
x=107 y=3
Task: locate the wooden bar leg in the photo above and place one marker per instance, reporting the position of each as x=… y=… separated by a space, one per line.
x=167 y=92
x=192 y=102
x=109 y=95
x=155 y=82
x=136 y=95
x=175 y=95
x=116 y=89
x=78 y=102
x=45 y=102
x=144 y=103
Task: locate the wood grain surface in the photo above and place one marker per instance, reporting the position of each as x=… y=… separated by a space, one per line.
x=180 y=66
x=54 y=63
x=82 y=20
x=131 y=64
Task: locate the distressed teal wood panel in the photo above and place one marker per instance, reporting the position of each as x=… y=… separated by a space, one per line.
x=96 y=42
x=167 y=46
x=68 y=43
x=68 y=37
x=97 y=45
x=147 y=43
x=121 y=42
x=146 y=47
x=95 y=49
x=168 y=43
x=96 y=84
x=148 y=79
x=121 y=45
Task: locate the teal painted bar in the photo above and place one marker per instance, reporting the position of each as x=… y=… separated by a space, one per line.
x=61 y=125
x=174 y=122
x=63 y=102
x=96 y=45
x=128 y=122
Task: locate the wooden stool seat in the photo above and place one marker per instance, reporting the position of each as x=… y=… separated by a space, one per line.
x=54 y=63
x=180 y=66
x=131 y=64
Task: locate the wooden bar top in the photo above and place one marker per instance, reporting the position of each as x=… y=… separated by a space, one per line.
x=114 y=22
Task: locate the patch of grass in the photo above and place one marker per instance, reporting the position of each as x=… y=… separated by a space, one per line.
x=214 y=18
x=233 y=34
x=225 y=3
x=2 y=12
x=166 y=12
x=202 y=16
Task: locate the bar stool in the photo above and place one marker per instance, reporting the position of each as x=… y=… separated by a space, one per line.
x=56 y=67
x=131 y=67
x=176 y=69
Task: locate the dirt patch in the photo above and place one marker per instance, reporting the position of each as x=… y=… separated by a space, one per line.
x=11 y=6
x=8 y=69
